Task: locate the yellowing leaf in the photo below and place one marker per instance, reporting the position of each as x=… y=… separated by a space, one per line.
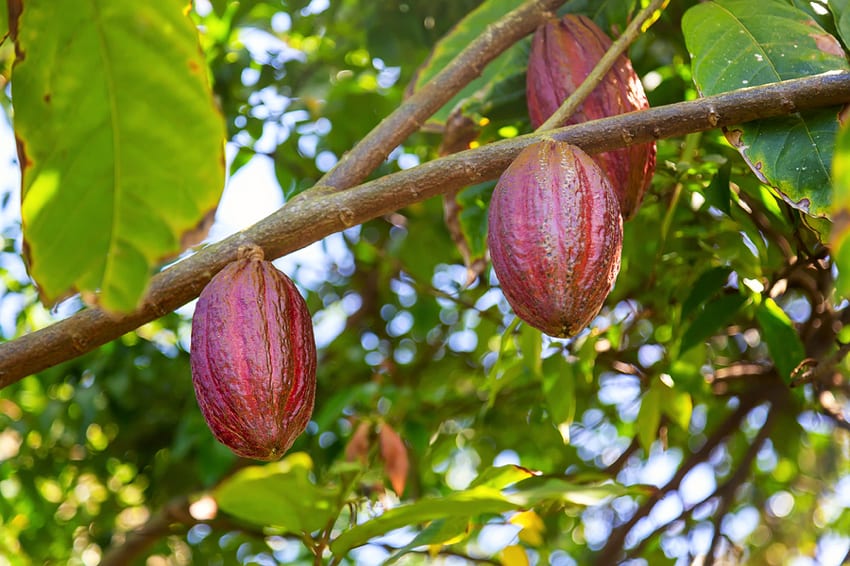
x=532 y=527
x=120 y=143
x=513 y=555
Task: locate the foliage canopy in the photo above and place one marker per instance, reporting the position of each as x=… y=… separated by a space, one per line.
x=702 y=414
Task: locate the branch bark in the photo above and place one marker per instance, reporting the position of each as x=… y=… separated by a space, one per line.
x=316 y=213
x=355 y=165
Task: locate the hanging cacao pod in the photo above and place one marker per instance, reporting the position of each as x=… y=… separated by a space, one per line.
x=253 y=358
x=555 y=237
x=563 y=53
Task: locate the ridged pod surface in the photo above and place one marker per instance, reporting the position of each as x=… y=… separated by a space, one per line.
x=563 y=53
x=254 y=358
x=555 y=237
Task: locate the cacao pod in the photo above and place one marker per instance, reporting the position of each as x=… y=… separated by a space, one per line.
x=253 y=358
x=563 y=53
x=555 y=235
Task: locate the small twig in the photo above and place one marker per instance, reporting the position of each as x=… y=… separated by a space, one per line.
x=727 y=493
x=614 y=546
x=820 y=369
x=571 y=104
x=173 y=518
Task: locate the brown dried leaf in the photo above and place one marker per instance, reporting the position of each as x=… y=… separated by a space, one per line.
x=394 y=455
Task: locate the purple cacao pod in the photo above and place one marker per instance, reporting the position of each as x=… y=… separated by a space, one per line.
x=555 y=237
x=253 y=358
x=563 y=53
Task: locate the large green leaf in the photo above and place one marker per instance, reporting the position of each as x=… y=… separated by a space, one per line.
x=481 y=499
x=279 y=494
x=475 y=501
x=121 y=144
x=738 y=43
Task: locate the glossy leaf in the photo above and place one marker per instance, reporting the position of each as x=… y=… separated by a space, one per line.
x=280 y=494
x=736 y=44
x=121 y=145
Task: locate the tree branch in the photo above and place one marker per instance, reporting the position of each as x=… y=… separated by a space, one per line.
x=355 y=165
x=574 y=100
x=610 y=553
x=315 y=214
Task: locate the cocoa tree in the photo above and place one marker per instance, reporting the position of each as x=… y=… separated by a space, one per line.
x=701 y=415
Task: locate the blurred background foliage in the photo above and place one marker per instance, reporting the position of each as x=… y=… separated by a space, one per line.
x=680 y=393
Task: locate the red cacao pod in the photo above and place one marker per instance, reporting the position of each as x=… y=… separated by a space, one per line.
x=563 y=53
x=555 y=237
x=253 y=358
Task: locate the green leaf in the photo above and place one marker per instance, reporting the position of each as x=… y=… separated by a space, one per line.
x=649 y=416
x=279 y=494
x=717 y=314
x=739 y=43
x=718 y=193
x=531 y=346
x=840 y=235
x=473 y=202
x=4 y=20
x=781 y=337
x=500 y=477
x=566 y=490
x=122 y=146
x=467 y=30
x=841 y=16
x=481 y=499
x=438 y=532
x=678 y=406
x=708 y=283
x=559 y=388
x=462 y=504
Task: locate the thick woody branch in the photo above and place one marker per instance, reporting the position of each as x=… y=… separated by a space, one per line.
x=316 y=214
x=409 y=117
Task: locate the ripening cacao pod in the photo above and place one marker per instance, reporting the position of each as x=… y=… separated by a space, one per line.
x=563 y=53
x=555 y=237
x=253 y=358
